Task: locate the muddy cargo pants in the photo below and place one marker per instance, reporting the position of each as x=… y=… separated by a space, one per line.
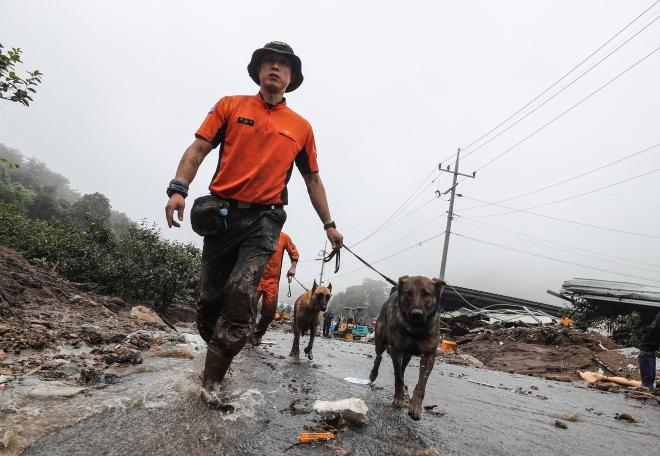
x=647 y=347
x=232 y=265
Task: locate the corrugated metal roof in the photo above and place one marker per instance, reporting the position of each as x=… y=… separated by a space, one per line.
x=605 y=290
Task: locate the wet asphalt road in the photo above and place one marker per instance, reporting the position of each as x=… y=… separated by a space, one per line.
x=478 y=419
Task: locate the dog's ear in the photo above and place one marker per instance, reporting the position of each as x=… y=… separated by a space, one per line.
x=402 y=281
x=439 y=285
x=314 y=286
x=330 y=287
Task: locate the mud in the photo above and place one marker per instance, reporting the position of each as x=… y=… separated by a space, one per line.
x=548 y=351
x=465 y=416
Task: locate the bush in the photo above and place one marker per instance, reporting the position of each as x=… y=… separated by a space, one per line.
x=625 y=322
x=137 y=264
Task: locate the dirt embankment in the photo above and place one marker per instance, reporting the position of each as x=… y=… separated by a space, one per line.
x=548 y=351
x=54 y=329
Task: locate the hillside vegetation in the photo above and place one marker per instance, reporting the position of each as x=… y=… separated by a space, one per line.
x=85 y=241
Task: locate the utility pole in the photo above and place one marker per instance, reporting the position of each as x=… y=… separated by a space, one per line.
x=322 y=262
x=450 y=214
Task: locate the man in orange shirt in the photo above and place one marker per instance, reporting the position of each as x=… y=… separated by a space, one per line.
x=260 y=139
x=269 y=288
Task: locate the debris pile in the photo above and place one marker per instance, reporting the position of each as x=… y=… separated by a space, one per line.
x=53 y=329
x=524 y=346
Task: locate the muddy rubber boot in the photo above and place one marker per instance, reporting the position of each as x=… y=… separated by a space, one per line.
x=261 y=329
x=215 y=368
x=647 y=372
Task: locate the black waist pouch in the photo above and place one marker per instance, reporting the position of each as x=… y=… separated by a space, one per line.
x=208 y=215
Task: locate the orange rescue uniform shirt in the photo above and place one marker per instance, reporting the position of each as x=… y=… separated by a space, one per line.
x=259 y=146
x=274 y=267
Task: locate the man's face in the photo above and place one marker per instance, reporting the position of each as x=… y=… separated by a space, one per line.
x=275 y=73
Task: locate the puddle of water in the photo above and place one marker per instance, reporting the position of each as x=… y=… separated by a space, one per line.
x=24 y=419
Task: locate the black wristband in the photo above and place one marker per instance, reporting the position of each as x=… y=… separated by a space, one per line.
x=177 y=186
x=330 y=225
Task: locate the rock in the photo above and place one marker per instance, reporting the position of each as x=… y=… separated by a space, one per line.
x=559 y=378
x=604 y=386
x=352 y=409
x=561 y=424
x=118 y=302
x=299 y=408
x=3 y=355
x=55 y=391
x=93 y=333
x=6 y=378
x=471 y=360
x=145 y=314
x=111 y=378
x=113 y=337
x=123 y=355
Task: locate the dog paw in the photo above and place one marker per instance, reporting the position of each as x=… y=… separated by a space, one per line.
x=398 y=401
x=296 y=360
x=415 y=413
x=310 y=356
x=307 y=350
x=372 y=376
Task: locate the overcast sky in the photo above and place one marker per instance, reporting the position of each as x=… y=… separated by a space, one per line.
x=391 y=89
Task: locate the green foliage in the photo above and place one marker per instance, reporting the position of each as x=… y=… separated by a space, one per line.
x=137 y=264
x=625 y=322
x=631 y=328
x=13 y=87
x=371 y=293
x=95 y=204
x=32 y=173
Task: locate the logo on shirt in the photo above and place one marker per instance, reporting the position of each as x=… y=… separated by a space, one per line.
x=213 y=108
x=245 y=121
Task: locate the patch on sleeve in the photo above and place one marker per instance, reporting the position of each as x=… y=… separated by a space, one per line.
x=213 y=108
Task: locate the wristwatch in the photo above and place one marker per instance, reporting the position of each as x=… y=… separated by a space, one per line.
x=330 y=225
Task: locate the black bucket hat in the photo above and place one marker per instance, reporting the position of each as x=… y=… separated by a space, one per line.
x=280 y=48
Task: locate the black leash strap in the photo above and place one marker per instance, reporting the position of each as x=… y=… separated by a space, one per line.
x=289 y=279
x=334 y=254
x=370 y=267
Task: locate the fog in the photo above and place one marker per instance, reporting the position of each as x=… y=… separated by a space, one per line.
x=391 y=89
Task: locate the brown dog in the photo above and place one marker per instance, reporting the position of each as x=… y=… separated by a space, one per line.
x=307 y=316
x=408 y=326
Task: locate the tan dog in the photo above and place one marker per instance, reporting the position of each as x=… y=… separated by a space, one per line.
x=408 y=326
x=307 y=316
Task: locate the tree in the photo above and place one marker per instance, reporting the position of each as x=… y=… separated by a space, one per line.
x=96 y=204
x=371 y=293
x=13 y=87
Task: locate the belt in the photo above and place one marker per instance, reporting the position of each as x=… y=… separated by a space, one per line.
x=257 y=207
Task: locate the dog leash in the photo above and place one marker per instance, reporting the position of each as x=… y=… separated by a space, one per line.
x=336 y=254
x=289 y=279
x=392 y=282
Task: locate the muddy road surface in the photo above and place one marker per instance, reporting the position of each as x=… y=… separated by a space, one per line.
x=158 y=411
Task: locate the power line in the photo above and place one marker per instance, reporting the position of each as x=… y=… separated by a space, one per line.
x=568 y=180
x=394 y=242
x=400 y=195
x=565 y=251
x=553 y=242
x=555 y=94
x=556 y=259
x=571 y=108
x=568 y=221
x=390 y=256
x=556 y=180
x=565 y=199
x=562 y=78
